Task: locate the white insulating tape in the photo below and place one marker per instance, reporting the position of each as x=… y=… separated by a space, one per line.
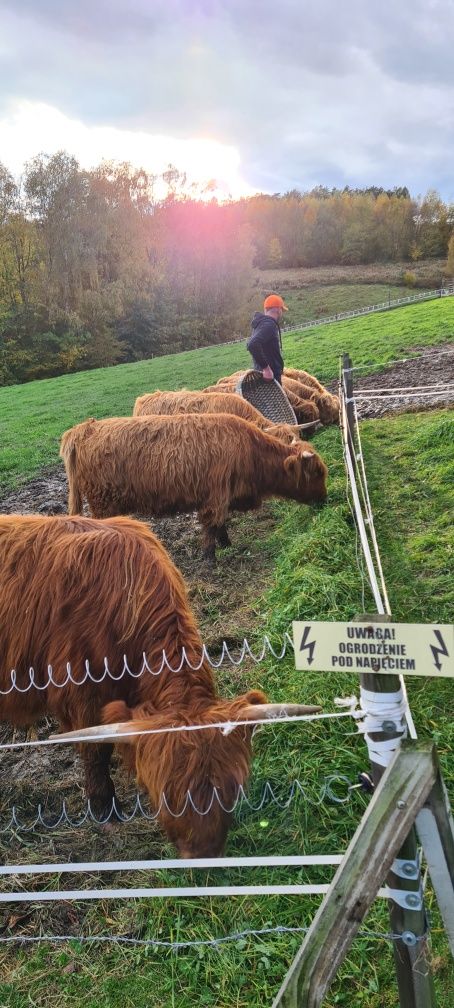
x=376 y=709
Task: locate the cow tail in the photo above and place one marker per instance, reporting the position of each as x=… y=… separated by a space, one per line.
x=68 y=453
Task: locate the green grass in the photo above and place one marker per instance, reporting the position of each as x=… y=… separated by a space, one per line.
x=409 y=460
x=33 y=416
x=310 y=303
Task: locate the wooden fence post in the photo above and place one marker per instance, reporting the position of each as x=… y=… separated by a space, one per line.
x=386 y=822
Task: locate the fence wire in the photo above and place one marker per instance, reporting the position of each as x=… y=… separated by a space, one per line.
x=226 y=656
x=178 y=946
x=55 y=820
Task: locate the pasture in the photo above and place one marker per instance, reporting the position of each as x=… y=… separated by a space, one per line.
x=308 y=303
x=33 y=416
x=286 y=562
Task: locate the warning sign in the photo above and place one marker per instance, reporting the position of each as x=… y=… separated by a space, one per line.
x=393 y=648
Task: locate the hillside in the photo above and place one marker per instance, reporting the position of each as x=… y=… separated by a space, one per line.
x=33 y=416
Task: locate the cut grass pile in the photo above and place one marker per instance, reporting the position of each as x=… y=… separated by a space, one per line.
x=409 y=460
x=33 y=416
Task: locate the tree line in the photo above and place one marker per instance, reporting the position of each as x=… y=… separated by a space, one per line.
x=95 y=269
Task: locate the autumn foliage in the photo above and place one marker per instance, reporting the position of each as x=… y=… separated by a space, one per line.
x=96 y=268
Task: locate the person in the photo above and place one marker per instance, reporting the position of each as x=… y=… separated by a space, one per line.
x=265 y=343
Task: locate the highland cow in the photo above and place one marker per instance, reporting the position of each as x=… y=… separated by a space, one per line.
x=77 y=590
x=184 y=401
x=212 y=463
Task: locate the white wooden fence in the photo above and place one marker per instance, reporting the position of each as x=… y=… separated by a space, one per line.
x=445 y=291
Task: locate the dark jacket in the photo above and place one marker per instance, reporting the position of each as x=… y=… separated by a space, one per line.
x=265 y=345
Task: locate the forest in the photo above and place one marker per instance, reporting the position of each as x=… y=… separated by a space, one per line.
x=97 y=269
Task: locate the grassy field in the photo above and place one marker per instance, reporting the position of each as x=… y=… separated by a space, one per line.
x=316 y=575
x=309 y=303
x=312 y=553
x=427 y=273
x=33 y=416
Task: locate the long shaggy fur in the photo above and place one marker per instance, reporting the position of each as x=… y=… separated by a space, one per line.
x=305 y=410
x=309 y=398
x=77 y=589
x=305 y=385
x=212 y=463
x=172 y=403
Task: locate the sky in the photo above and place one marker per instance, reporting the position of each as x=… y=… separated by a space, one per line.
x=259 y=96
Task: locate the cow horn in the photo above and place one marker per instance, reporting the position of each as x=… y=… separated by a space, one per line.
x=307 y=454
x=273 y=710
x=108 y=731
x=303 y=426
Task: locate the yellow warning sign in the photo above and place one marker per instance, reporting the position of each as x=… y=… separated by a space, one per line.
x=393 y=648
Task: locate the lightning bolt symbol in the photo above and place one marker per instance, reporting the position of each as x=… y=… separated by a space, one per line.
x=436 y=651
x=305 y=646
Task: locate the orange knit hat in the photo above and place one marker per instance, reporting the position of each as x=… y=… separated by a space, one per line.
x=274 y=301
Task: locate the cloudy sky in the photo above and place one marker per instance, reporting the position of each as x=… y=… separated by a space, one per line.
x=262 y=96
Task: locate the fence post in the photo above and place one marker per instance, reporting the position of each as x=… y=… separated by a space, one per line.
x=435 y=829
x=386 y=821
x=413 y=972
x=411 y=952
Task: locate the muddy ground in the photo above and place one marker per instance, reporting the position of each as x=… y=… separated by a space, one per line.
x=225 y=602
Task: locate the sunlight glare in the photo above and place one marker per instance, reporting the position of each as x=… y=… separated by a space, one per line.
x=30 y=128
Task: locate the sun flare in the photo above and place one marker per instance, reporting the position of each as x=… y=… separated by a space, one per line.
x=29 y=128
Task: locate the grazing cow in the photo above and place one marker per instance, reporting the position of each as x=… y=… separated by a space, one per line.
x=327 y=404
x=304 y=378
x=307 y=386
x=171 y=403
x=304 y=392
x=159 y=465
x=76 y=590
x=305 y=410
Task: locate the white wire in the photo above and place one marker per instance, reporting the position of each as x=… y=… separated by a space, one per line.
x=402 y=360
x=172 y=892
x=364 y=542
x=279 y=929
x=402 y=395
x=245 y=652
x=268 y=797
x=368 y=507
x=407 y=388
x=265 y=861
x=225 y=726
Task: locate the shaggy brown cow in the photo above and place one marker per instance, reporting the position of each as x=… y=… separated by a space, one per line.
x=171 y=403
x=305 y=410
x=305 y=385
x=77 y=589
x=301 y=388
x=212 y=463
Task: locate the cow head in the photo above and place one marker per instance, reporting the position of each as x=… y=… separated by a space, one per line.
x=328 y=407
x=192 y=777
x=290 y=433
x=306 y=474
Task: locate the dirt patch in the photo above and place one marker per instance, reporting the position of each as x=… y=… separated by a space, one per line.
x=409 y=385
